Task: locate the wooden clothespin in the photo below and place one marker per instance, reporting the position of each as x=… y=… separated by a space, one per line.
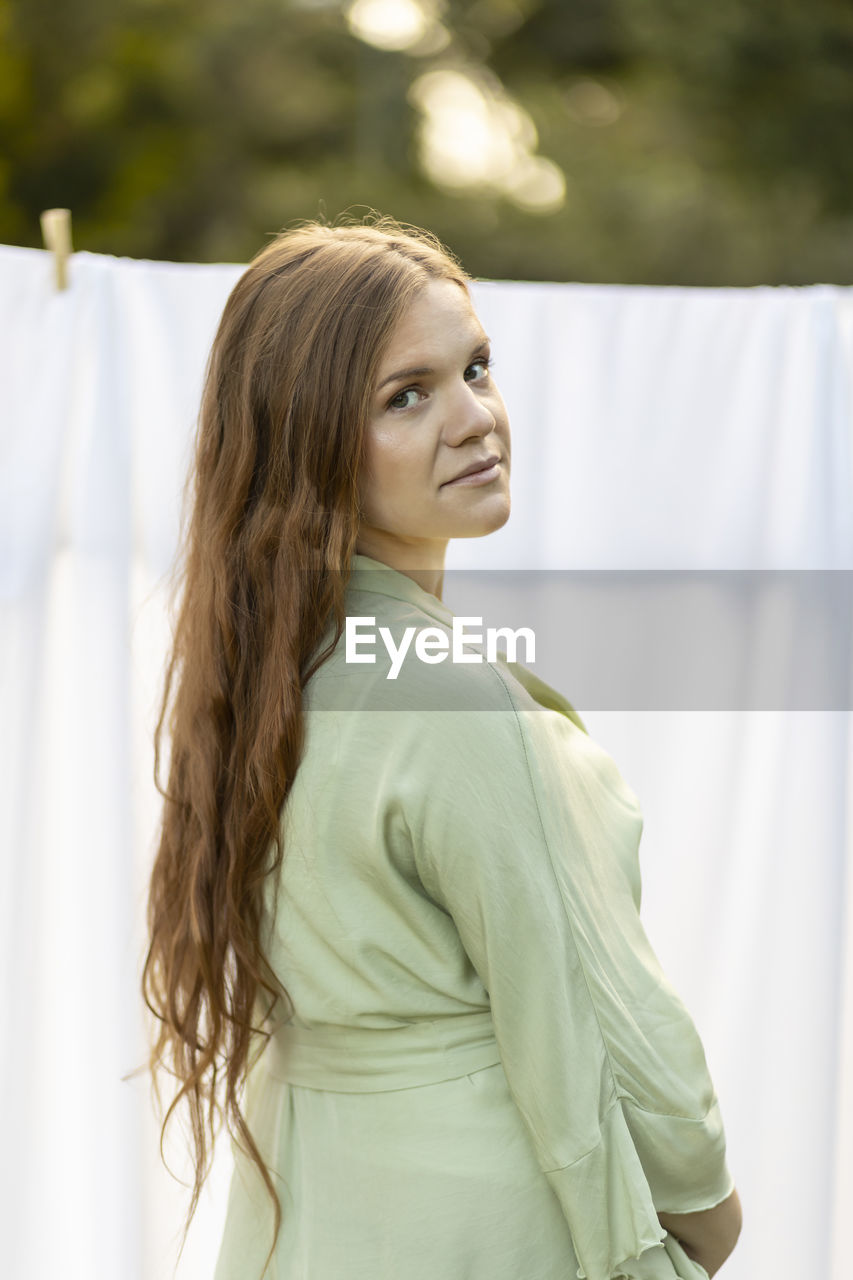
x=56 y=233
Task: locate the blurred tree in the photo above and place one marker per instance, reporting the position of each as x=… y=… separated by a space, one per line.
x=700 y=144
x=768 y=87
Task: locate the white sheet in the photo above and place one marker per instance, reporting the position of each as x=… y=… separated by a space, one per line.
x=653 y=428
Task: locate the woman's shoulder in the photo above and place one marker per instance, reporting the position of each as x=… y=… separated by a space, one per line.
x=394 y=655
x=403 y=658
x=543 y=694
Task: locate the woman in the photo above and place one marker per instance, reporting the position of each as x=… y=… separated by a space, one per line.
x=469 y=1062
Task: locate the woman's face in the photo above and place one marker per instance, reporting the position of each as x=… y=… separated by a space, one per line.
x=435 y=412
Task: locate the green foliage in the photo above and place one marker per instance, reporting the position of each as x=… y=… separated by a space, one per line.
x=702 y=144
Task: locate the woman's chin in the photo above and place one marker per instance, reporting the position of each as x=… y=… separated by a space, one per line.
x=483 y=522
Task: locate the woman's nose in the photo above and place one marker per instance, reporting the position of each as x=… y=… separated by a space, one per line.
x=469 y=414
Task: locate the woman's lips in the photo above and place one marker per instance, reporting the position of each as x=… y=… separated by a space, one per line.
x=477 y=477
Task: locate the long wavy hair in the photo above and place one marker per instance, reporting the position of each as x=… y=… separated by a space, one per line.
x=263 y=563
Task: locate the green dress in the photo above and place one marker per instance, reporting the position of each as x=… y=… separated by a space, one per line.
x=487 y=1075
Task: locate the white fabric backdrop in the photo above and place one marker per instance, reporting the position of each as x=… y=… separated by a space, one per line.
x=652 y=428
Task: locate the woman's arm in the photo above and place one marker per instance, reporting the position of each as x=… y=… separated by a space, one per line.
x=524 y=832
x=708 y=1237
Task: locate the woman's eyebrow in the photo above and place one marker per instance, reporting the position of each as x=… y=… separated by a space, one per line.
x=424 y=371
x=421 y=372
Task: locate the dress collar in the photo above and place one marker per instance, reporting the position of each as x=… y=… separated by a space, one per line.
x=368 y=574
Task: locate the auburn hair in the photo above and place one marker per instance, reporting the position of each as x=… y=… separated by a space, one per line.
x=264 y=558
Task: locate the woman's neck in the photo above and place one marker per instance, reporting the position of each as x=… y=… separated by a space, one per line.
x=422 y=562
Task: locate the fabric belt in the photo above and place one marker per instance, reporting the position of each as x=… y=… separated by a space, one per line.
x=351 y=1059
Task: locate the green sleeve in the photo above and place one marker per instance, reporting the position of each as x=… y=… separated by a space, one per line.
x=524 y=831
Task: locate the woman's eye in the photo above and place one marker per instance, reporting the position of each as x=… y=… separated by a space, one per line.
x=481 y=367
x=400 y=401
